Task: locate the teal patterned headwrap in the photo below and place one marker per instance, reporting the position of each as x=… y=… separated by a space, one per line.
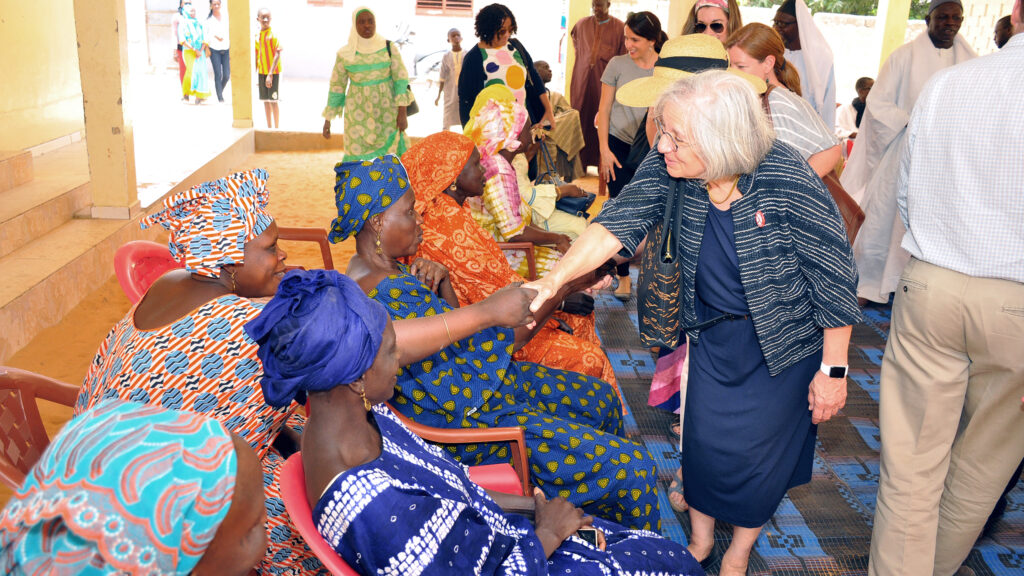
x=364 y=188
x=124 y=488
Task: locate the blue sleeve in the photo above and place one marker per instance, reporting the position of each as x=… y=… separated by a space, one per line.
x=822 y=248
x=630 y=215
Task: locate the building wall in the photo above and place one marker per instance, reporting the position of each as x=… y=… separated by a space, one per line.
x=42 y=96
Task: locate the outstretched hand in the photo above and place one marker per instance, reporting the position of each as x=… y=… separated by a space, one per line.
x=545 y=289
x=511 y=306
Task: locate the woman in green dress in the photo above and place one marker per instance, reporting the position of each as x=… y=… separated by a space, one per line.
x=370 y=86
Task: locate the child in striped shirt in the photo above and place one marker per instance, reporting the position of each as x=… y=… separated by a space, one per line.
x=268 y=66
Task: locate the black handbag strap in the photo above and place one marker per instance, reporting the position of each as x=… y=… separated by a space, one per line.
x=549 y=166
x=670 y=229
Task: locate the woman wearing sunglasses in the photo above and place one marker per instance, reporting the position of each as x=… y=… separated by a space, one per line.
x=717 y=18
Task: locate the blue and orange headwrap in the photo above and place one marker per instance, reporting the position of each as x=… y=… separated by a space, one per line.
x=363 y=188
x=124 y=488
x=318 y=332
x=211 y=223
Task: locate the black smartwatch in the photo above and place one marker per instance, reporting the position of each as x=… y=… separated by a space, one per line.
x=834 y=371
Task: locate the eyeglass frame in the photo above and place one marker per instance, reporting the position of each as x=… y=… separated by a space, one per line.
x=700 y=27
x=676 y=143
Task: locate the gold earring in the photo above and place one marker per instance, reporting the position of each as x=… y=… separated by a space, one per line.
x=377 y=243
x=366 y=403
x=453 y=187
x=234 y=286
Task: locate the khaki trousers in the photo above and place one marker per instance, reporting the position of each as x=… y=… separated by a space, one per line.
x=950 y=415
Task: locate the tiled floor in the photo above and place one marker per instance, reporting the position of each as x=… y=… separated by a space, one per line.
x=823 y=527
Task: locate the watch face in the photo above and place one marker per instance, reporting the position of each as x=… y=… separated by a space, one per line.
x=837 y=372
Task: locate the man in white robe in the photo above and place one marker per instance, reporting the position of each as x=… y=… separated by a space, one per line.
x=870 y=175
x=807 y=49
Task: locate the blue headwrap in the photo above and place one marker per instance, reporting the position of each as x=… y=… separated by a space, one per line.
x=365 y=188
x=124 y=488
x=318 y=332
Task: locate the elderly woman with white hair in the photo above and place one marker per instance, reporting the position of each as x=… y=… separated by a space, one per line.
x=767 y=299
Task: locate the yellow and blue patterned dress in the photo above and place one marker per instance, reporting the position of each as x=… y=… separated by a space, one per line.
x=572 y=421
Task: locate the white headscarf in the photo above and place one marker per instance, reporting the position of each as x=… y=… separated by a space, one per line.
x=357 y=43
x=818 y=61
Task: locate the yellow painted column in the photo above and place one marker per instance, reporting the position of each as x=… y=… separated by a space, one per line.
x=243 y=66
x=577 y=9
x=891 y=26
x=103 y=67
x=678 y=12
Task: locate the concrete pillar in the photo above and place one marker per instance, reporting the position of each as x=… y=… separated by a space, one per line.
x=243 y=64
x=577 y=9
x=103 y=67
x=891 y=26
x=678 y=12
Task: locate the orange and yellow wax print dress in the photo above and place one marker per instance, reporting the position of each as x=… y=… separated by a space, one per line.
x=477 y=266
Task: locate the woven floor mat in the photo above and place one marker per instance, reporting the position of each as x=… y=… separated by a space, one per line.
x=820 y=528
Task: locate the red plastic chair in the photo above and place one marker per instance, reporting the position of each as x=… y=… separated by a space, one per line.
x=293 y=492
x=511 y=479
x=22 y=435
x=531 y=261
x=139 y=263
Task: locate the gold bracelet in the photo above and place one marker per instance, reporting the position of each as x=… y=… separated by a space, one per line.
x=450 y=341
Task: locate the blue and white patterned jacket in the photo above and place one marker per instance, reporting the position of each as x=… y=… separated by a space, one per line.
x=796 y=266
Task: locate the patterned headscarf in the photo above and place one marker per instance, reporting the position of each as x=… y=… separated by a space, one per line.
x=364 y=188
x=125 y=487
x=211 y=223
x=495 y=120
x=318 y=332
x=434 y=163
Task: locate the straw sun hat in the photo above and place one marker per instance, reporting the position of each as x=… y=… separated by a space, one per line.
x=681 y=57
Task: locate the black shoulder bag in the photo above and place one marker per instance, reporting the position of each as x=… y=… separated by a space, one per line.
x=413 y=107
x=659 y=288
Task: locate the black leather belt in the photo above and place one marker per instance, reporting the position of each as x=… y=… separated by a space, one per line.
x=709 y=323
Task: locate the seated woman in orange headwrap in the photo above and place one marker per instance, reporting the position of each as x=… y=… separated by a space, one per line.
x=444 y=169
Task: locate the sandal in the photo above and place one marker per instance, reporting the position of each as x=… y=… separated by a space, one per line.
x=676 y=487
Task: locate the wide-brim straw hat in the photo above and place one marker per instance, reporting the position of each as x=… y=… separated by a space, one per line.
x=681 y=57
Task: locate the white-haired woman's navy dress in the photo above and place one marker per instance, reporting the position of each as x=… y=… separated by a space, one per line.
x=747 y=436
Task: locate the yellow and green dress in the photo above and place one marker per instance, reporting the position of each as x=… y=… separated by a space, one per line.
x=572 y=421
x=367 y=89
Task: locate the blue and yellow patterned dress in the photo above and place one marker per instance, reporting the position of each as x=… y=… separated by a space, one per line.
x=571 y=421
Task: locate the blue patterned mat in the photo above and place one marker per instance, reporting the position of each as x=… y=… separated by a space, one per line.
x=823 y=527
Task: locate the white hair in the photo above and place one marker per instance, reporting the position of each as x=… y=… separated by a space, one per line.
x=723 y=120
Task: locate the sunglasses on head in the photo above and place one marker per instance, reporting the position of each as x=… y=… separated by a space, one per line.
x=716 y=27
x=646 y=17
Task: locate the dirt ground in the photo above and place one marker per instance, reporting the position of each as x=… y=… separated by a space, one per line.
x=301 y=194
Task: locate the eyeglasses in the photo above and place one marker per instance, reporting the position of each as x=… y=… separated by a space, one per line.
x=716 y=27
x=676 y=143
x=782 y=23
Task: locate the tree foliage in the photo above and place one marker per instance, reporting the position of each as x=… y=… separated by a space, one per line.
x=918 y=8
